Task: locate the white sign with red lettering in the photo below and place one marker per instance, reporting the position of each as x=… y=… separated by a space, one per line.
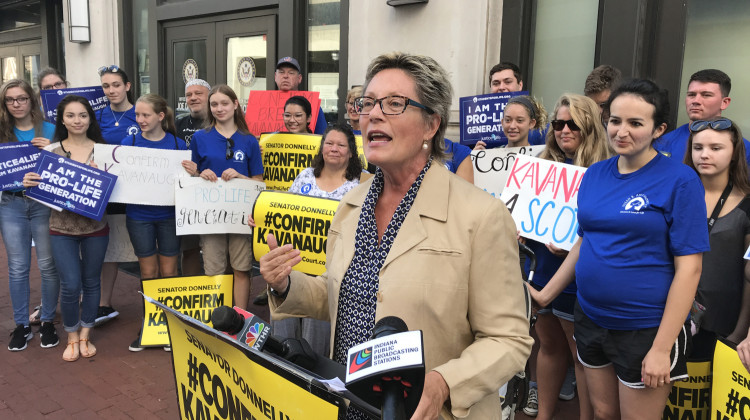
x=542 y=197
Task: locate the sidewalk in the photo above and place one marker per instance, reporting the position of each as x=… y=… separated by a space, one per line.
x=115 y=384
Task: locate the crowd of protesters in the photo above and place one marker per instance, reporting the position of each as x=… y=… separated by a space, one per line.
x=645 y=277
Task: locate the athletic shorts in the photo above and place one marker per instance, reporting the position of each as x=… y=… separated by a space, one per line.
x=562 y=307
x=625 y=349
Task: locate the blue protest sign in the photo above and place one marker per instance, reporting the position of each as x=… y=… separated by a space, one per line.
x=72 y=186
x=50 y=98
x=17 y=159
x=481 y=118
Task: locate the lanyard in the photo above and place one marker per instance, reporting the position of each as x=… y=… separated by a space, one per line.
x=719 y=205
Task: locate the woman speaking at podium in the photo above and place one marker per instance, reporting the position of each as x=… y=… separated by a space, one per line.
x=419 y=243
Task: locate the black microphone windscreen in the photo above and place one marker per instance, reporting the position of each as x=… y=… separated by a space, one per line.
x=389 y=325
x=225 y=319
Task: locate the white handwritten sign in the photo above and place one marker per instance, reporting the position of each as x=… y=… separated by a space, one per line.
x=205 y=207
x=144 y=176
x=542 y=197
x=492 y=166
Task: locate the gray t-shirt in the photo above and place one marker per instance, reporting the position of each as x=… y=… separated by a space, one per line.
x=722 y=279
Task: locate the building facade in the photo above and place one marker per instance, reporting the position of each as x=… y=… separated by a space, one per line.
x=162 y=43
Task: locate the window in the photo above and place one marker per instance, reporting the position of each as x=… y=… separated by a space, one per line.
x=716 y=38
x=564 y=45
x=324 y=35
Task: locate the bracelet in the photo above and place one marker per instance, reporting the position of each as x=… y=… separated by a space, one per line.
x=286 y=292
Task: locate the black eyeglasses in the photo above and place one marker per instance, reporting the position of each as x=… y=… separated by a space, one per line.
x=109 y=69
x=230 y=148
x=390 y=105
x=22 y=100
x=717 y=125
x=57 y=85
x=558 y=125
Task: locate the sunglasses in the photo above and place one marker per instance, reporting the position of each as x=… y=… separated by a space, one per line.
x=717 y=125
x=108 y=69
x=230 y=148
x=558 y=125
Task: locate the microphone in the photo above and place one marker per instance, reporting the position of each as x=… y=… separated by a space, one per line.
x=388 y=371
x=253 y=331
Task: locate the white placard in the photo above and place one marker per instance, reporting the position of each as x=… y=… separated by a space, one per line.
x=492 y=166
x=205 y=207
x=144 y=176
x=542 y=197
x=387 y=353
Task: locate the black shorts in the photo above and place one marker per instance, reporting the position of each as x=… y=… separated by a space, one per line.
x=599 y=347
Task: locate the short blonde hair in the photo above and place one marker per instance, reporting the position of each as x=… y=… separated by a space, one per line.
x=432 y=84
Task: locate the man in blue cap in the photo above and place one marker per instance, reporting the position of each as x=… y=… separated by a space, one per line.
x=288 y=76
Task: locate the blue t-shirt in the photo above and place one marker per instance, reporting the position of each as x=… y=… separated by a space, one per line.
x=546 y=265
x=48 y=131
x=675 y=143
x=538 y=137
x=126 y=125
x=210 y=152
x=141 y=211
x=632 y=226
x=321 y=124
x=458 y=152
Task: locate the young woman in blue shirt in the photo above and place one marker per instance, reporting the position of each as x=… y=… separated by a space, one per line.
x=116 y=120
x=226 y=150
x=637 y=262
x=23 y=219
x=152 y=229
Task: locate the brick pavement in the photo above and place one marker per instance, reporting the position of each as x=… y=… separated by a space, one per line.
x=115 y=384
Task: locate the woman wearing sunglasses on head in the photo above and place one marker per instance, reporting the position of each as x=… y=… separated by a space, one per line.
x=637 y=262
x=722 y=303
x=117 y=120
x=226 y=150
x=23 y=219
x=577 y=138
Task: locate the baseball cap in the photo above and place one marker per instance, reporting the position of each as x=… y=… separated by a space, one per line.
x=290 y=61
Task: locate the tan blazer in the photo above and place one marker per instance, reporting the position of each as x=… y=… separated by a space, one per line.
x=453 y=272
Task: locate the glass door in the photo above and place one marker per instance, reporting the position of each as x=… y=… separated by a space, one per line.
x=190 y=56
x=248 y=47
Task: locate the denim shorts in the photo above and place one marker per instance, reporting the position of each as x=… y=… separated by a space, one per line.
x=561 y=307
x=150 y=237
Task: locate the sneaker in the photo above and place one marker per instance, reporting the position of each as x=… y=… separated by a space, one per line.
x=136 y=345
x=48 y=335
x=19 y=337
x=104 y=314
x=532 y=403
x=568 y=390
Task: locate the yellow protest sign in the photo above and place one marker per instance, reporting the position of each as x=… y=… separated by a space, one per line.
x=195 y=297
x=730 y=397
x=218 y=378
x=300 y=220
x=285 y=155
x=691 y=399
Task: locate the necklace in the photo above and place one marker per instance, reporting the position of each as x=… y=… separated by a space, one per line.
x=117 y=120
x=67 y=153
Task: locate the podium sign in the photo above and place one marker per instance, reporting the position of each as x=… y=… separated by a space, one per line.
x=219 y=378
